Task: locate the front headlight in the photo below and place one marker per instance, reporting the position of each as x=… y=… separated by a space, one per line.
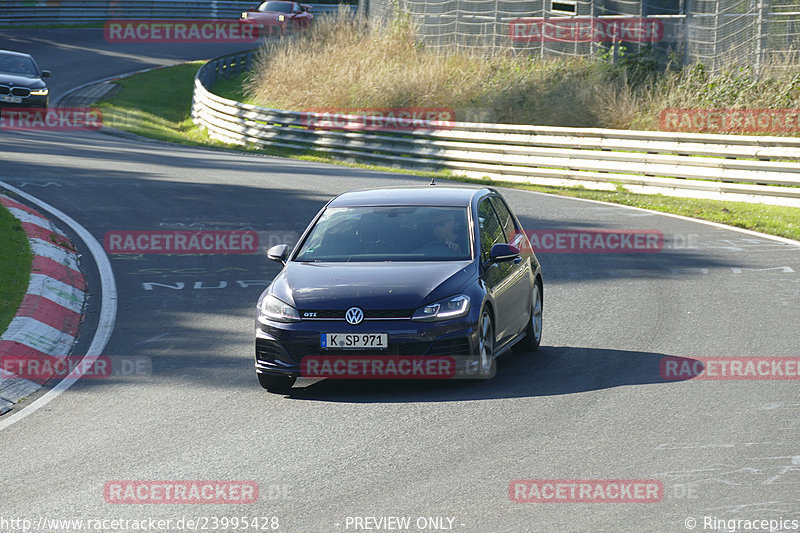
x=281 y=18
x=449 y=308
x=39 y=92
x=276 y=310
x=244 y=15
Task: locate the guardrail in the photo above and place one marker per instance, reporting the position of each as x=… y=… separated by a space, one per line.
x=25 y=12
x=731 y=167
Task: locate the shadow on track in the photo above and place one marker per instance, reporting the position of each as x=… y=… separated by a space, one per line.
x=553 y=370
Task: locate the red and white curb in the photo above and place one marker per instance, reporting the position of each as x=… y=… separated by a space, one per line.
x=46 y=325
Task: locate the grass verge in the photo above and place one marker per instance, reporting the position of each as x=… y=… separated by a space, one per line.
x=15 y=266
x=233 y=88
x=157 y=104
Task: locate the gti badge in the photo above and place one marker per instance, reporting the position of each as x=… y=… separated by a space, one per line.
x=354 y=316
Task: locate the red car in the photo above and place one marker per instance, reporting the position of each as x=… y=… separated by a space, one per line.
x=274 y=16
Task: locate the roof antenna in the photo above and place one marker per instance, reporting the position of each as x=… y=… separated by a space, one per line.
x=433 y=180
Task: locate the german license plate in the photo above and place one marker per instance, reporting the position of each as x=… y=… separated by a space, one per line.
x=354 y=341
x=11 y=99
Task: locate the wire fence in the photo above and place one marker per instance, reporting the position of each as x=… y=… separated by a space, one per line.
x=717 y=33
x=754 y=33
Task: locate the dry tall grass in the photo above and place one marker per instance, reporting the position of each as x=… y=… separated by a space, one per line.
x=342 y=63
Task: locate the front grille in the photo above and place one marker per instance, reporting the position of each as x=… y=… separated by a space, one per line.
x=389 y=313
x=298 y=351
x=369 y=314
x=452 y=347
x=330 y=315
x=4 y=89
x=21 y=91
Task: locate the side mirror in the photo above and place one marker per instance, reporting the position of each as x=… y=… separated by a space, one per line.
x=503 y=252
x=278 y=253
x=45 y=73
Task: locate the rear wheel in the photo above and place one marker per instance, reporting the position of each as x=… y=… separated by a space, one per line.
x=275 y=383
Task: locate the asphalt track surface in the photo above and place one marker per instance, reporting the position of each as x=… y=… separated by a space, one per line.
x=591 y=404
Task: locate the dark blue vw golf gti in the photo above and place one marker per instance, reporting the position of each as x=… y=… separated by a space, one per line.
x=429 y=272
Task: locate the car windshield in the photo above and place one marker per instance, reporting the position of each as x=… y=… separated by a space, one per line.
x=278 y=7
x=17 y=65
x=389 y=233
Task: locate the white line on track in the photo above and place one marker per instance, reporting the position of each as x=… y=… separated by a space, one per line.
x=108 y=310
x=672 y=215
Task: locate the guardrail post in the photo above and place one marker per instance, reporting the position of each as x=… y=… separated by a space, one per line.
x=760 y=36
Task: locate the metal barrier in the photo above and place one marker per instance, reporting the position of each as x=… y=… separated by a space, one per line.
x=25 y=12
x=731 y=167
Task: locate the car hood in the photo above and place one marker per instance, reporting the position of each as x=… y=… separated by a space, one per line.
x=333 y=286
x=18 y=80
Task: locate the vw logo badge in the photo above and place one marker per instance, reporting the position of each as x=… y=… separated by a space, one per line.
x=354 y=316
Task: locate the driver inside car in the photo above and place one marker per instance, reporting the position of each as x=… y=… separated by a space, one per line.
x=444 y=230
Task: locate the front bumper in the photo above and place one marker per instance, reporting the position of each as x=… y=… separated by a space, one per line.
x=263 y=26
x=28 y=101
x=280 y=348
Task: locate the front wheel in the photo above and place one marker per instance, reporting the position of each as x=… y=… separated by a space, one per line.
x=275 y=383
x=487 y=366
x=533 y=332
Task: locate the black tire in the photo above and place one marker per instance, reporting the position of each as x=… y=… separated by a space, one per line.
x=275 y=383
x=486 y=362
x=533 y=332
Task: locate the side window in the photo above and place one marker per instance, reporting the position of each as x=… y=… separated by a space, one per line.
x=490 y=229
x=510 y=229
